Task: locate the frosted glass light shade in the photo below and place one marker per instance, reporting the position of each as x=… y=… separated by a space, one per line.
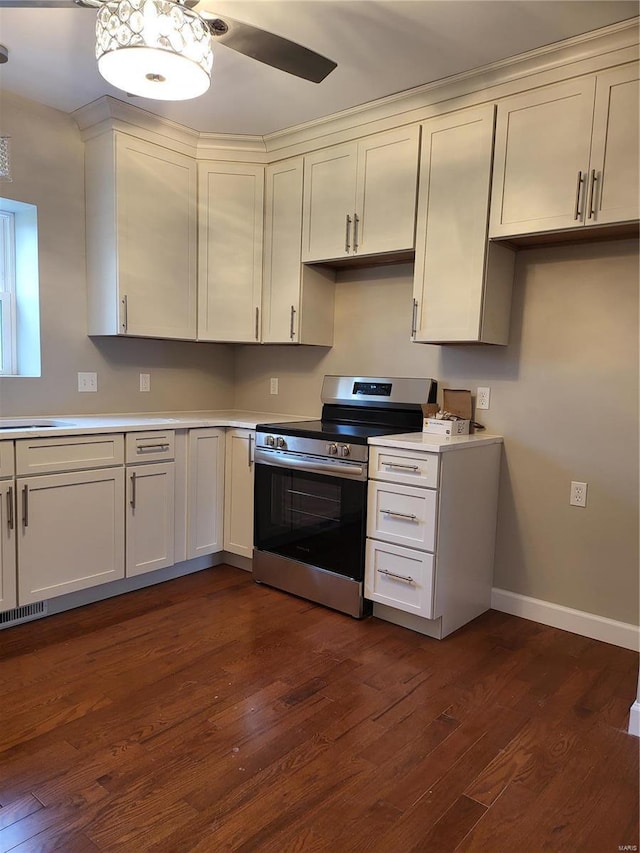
x=153 y=48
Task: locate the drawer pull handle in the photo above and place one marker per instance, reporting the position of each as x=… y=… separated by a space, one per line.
x=415 y=468
x=405 y=578
x=143 y=448
x=406 y=515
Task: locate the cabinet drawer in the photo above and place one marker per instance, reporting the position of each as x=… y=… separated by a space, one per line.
x=404 y=466
x=68 y=453
x=7 y=467
x=400 y=577
x=402 y=514
x=153 y=446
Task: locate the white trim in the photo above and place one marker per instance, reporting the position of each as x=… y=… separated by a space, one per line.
x=634 y=719
x=591 y=625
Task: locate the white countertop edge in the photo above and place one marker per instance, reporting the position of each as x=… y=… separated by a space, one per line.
x=89 y=424
x=432 y=442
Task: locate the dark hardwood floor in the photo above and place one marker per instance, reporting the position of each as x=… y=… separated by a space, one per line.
x=212 y=714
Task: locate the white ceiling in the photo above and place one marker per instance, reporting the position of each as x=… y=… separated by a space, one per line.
x=380 y=47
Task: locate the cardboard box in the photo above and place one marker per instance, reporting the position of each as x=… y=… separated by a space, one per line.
x=438 y=426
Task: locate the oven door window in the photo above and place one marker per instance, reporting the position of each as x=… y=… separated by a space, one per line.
x=312 y=518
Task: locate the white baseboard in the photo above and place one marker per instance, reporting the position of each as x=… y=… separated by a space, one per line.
x=634 y=719
x=577 y=621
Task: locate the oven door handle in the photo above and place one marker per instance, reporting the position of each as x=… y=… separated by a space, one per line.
x=345 y=469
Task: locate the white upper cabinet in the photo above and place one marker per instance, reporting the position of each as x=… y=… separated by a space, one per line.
x=462 y=283
x=230 y=219
x=141 y=238
x=567 y=155
x=297 y=299
x=360 y=197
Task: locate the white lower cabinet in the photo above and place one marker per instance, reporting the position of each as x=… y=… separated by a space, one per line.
x=8 y=585
x=238 y=492
x=205 y=491
x=150 y=517
x=70 y=532
x=431 y=521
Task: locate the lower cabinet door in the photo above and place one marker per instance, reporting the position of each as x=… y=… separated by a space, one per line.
x=70 y=530
x=238 y=492
x=205 y=492
x=8 y=595
x=400 y=577
x=150 y=517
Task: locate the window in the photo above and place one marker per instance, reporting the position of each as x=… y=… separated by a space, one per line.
x=19 y=302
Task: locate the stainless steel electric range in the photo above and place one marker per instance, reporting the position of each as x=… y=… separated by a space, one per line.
x=310 y=506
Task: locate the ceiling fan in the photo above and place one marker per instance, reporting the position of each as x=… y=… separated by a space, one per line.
x=162 y=48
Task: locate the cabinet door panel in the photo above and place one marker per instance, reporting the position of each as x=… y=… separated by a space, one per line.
x=73 y=535
x=156 y=238
x=329 y=197
x=238 y=492
x=150 y=518
x=453 y=208
x=614 y=152
x=543 y=142
x=205 y=492
x=8 y=597
x=386 y=191
x=230 y=264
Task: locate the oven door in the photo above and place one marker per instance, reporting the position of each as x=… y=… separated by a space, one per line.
x=312 y=510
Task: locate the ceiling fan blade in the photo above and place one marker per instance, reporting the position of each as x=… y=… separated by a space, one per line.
x=267 y=47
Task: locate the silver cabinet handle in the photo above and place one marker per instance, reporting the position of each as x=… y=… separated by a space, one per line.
x=347 y=236
x=10 y=518
x=145 y=448
x=25 y=506
x=592 y=195
x=132 y=502
x=576 y=213
x=402 y=467
x=356 y=222
x=408 y=516
x=125 y=314
x=257 y=323
x=249 y=457
x=405 y=578
x=414 y=318
x=292 y=324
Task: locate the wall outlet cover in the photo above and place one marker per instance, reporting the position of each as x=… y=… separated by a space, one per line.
x=87 y=381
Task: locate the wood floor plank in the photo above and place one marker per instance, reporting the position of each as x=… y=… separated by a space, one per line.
x=210 y=713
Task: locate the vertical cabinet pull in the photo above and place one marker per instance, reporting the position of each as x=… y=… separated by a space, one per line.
x=133 y=490
x=10 y=518
x=356 y=222
x=292 y=324
x=347 y=236
x=414 y=318
x=125 y=314
x=576 y=212
x=257 y=323
x=249 y=456
x=592 y=194
x=25 y=506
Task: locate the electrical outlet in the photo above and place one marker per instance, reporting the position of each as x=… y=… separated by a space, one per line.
x=145 y=382
x=87 y=381
x=273 y=387
x=482 y=398
x=578 y=496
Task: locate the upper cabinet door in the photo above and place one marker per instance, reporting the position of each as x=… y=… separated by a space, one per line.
x=462 y=284
x=385 y=211
x=329 y=202
x=614 y=176
x=230 y=251
x=141 y=238
x=543 y=139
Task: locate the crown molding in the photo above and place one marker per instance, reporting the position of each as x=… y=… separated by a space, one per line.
x=231 y=146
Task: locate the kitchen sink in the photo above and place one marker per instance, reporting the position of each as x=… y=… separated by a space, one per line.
x=31 y=423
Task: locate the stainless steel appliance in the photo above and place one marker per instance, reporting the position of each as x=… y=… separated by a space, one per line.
x=311 y=488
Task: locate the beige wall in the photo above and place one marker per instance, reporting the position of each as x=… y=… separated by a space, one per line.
x=564 y=394
x=48 y=171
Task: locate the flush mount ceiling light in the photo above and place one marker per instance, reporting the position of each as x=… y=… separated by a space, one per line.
x=154 y=48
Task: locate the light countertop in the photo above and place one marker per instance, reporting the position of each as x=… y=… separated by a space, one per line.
x=11 y=428
x=432 y=442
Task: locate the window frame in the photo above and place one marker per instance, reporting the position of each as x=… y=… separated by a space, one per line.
x=8 y=343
